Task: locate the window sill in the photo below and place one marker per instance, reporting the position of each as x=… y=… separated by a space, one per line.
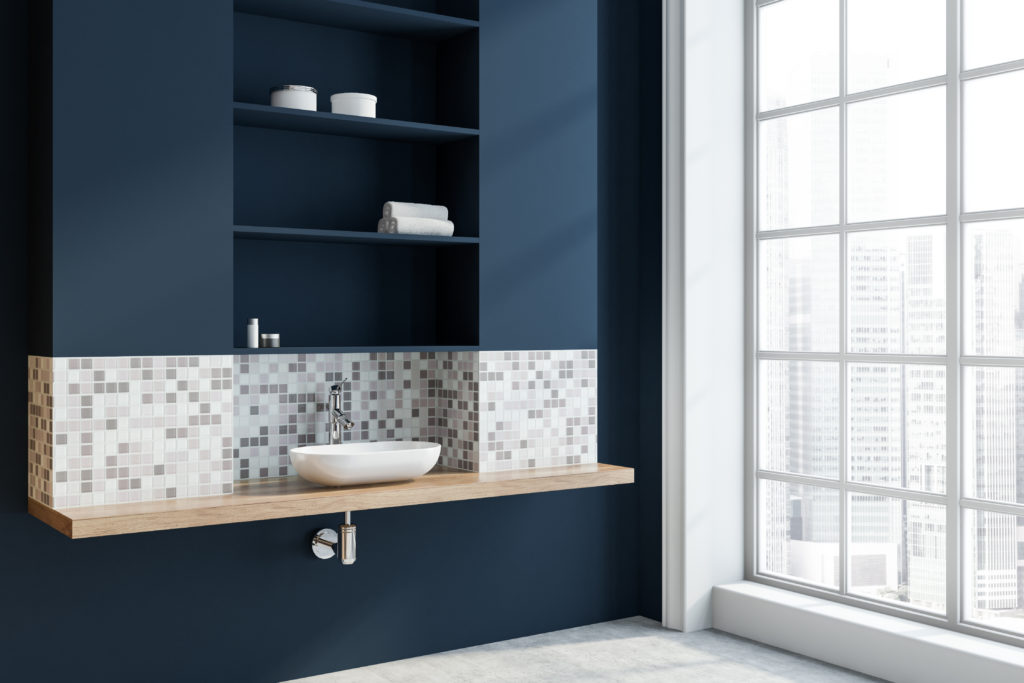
x=875 y=644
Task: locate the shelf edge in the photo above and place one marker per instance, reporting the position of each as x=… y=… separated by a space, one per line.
x=352 y=236
x=285 y=114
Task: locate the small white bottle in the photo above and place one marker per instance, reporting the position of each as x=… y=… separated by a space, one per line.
x=253 y=333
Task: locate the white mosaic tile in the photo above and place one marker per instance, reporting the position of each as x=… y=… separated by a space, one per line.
x=538 y=409
x=129 y=429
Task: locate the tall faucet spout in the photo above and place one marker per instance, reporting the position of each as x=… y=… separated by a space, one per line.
x=338 y=421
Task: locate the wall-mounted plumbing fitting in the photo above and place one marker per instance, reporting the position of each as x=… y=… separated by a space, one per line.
x=326 y=542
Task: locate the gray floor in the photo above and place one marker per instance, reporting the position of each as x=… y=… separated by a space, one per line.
x=634 y=649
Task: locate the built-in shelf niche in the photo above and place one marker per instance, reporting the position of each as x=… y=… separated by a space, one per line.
x=416 y=79
x=309 y=186
x=357 y=294
x=308 y=180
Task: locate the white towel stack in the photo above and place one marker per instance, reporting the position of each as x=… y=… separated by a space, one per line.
x=405 y=218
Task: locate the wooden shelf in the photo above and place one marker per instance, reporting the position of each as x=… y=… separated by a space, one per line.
x=242 y=351
x=350 y=236
x=282 y=118
x=293 y=497
x=359 y=15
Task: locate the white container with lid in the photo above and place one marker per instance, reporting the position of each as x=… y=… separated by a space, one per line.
x=294 y=97
x=252 y=332
x=354 y=104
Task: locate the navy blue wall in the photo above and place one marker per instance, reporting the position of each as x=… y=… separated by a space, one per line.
x=629 y=263
x=248 y=601
x=141 y=132
x=538 y=201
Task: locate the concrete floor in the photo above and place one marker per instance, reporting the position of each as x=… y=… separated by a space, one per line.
x=635 y=649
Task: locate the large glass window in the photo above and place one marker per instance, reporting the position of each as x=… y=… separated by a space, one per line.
x=887 y=139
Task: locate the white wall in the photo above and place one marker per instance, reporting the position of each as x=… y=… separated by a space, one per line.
x=704 y=305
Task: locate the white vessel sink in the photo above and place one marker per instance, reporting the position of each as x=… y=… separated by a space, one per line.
x=365 y=462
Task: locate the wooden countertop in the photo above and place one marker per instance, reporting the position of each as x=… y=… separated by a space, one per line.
x=294 y=497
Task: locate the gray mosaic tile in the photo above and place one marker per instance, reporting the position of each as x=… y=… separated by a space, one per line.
x=114 y=430
x=490 y=411
x=129 y=429
x=40 y=429
x=456 y=425
x=281 y=402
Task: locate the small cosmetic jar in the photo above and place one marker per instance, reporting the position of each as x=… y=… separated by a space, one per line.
x=294 y=97
x=354 y=104
x=270 y=341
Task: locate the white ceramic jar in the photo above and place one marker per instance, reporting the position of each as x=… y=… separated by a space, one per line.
x=294 y=97
x=354 y=104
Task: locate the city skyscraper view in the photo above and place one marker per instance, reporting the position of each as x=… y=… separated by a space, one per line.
x=890 y=303
x=896 y=412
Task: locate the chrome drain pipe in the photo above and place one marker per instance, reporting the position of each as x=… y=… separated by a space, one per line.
x=328 y=542
x=348 y=540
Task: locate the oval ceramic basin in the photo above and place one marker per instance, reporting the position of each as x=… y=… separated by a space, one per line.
x=366 y=462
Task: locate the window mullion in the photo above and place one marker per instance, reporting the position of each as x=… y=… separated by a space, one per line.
x=986 y=216
x=992 y=70
x=999 y=507
x=954 y=562
x=844 y=527
x=750 y=481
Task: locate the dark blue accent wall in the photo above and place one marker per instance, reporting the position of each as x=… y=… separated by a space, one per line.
x=248 y=602
x=629 y=264
x=28 y=178
x=141 y=177
x=538 y=174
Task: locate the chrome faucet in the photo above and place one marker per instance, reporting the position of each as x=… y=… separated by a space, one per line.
x=337 y=418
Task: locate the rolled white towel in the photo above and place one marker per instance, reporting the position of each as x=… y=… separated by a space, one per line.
x=401 y=209
x=405 y=225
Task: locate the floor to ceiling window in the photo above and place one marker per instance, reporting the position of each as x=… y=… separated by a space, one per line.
x=887 y=139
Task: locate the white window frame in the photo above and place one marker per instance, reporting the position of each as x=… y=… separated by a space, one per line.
x=954 y=362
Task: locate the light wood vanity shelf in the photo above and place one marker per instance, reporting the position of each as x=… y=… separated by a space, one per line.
x=293 y=497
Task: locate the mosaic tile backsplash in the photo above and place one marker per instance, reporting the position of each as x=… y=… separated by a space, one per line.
x=111 y=430
x=137 y=428
x=40 y=429
x=281 y=402
x=455 y=378
x=539 y=409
